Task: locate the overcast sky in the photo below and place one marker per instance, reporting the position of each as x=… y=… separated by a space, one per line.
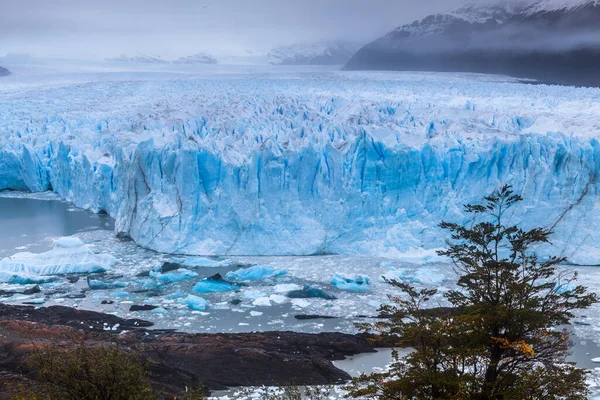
x=173 y=28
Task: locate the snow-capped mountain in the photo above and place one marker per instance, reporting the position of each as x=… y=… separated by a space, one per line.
x=4 y=71
x=138 y=59
x=200 y=58
x=551 y=40
x=321 y=53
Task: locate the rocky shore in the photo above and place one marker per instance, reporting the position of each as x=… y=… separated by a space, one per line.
x=177 y=360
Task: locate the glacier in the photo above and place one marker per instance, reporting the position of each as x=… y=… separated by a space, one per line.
x=304 y=163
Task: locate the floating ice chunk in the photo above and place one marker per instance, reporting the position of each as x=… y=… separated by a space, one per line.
x=148 y=284
x=309 y=292
x=564 y=287
x=174 y=296
x=215 y=284
x=196 y=303
x=69 y=256
x=256 y=313
x=423 y=275
x=301 y=303
x=159 y=310
x=255 y=273
x=286 y=287
x=277 y=298
x=356 y=283
x=24 y=279
x=204 y=262
x=174 y=276
x=253 y=294
x=262 y=301
x=39 y=300
x=96 y=284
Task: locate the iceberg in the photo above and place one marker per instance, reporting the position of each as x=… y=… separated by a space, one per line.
x=215 y=284
x=424 y=275
x=195 y=303
x=309 y=292
x=97 y=284
x=355 y=283
x=174 y=276
x=255 y=273
x=333 y=163
x=69 y=256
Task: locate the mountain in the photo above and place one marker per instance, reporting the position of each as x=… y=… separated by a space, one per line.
x=200 y=58
x=4 y=71
x=555 y=41
x=320 y=53
x=138 y=59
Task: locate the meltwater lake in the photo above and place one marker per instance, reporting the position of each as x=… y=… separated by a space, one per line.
x=32 y=223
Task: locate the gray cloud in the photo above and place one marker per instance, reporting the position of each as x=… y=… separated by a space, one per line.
x=172 y=28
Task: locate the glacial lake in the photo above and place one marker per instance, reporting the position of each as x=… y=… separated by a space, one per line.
x=32 y=222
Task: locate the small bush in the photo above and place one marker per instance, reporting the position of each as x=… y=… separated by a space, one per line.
x=86 y=373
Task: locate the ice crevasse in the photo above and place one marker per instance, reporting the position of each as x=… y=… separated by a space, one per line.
x=340 y=163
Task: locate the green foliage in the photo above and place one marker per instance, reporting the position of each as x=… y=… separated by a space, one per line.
x=498 y=341
x=86 y=373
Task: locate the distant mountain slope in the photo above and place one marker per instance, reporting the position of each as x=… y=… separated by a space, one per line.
x=321 y=53
x=550 y=40
x=138 y=59
x=4 y=71
x=200 y=58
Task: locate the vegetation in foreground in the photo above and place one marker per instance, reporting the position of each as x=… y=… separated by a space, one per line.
x=500 y=339
x=89 y=373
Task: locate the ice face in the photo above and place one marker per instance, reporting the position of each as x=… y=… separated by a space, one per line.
x=323 y=163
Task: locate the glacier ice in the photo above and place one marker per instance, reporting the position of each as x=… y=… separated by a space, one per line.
x=69 y=256
x=307 y=163
x=195 y=303
x=425 y=275
x=254 y=273
x=215 y=284
x=174 y=276
x=98 y=284
x=309 y=292
x=357 y=282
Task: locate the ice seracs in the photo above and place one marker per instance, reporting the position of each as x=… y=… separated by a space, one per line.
x=314 y=163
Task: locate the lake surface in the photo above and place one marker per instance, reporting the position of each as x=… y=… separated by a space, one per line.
x=32 y=224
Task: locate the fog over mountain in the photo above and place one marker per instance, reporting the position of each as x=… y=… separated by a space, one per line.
x=98 y=29
x=553 y=40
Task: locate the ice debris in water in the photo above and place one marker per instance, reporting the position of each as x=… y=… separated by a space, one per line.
x=24 y=279
x=97 y=284
x=358 y=282
x=203 y=262
x=174 y=276
x=69 y=256
x=309 y=292
x=215 y=284
x=423 y=275
x=255 y=273
x=195 y=303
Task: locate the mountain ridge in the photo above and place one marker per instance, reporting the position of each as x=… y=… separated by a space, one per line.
x=549 y=40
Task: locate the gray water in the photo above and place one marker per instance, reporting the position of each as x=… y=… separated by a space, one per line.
x=29 y=225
